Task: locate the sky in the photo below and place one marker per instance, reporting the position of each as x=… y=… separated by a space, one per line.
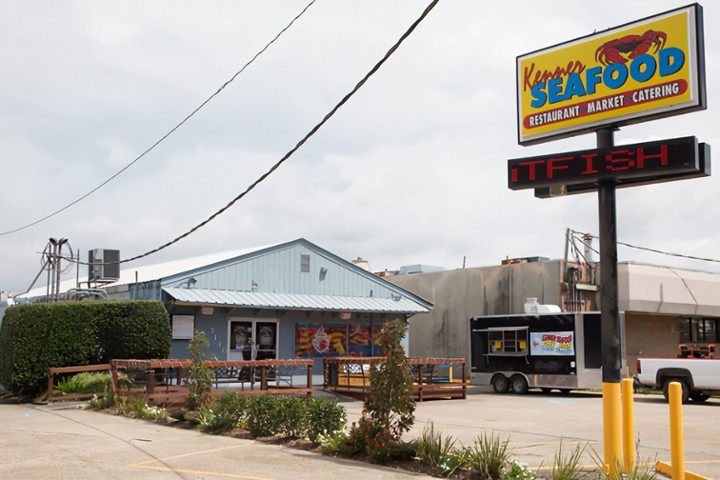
x=411 y=170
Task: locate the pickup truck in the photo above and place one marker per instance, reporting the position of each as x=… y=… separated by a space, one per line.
x=699 y=377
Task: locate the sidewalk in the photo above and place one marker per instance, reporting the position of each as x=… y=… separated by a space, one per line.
x=64 y=441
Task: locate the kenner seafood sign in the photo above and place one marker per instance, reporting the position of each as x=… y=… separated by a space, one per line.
x=647 y=69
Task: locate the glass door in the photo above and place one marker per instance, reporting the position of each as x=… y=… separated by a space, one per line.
x=266 y=343
x=252 y=339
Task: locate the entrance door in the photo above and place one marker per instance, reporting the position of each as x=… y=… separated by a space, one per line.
x=253 y=339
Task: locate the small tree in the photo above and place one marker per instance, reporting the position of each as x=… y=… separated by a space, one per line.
x=200 y=377
x=390 y=404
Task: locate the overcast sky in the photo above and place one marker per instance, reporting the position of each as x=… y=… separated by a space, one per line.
x=412 y=170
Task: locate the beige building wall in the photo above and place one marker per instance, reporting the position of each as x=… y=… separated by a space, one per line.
x=650 y=335
x=653 y=298
x=458 y=295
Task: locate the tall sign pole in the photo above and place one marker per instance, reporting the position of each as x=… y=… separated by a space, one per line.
x=652 y=68
x=609 y=315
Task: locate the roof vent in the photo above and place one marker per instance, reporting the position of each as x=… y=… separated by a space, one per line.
x=532 y=307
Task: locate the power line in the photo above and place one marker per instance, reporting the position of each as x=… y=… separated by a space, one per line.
x=170 y=132
x=654 y=250
x=312 y=132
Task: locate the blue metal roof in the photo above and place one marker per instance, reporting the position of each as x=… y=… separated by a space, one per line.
x=290 y=301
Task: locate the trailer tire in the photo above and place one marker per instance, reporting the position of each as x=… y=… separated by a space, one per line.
x=685 y=389
x=519 y=384
x=500 y=383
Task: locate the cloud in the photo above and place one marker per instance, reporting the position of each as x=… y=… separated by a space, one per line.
x=411 y=170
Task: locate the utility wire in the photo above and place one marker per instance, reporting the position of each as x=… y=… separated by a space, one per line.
x=648 y=249
x=172 y=130
x=312 y=132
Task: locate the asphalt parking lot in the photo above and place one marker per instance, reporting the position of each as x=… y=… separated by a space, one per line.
x=64 y=441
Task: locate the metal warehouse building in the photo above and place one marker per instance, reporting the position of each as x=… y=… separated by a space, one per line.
x=293 y=300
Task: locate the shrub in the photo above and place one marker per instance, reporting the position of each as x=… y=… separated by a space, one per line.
x=262 y=415
x=291 y=412
x=227 y=412
x=200 y=377
x=131 y=329
x=334 y=443
x=84 y=382
x=324 y=417
x=34 y=338
x=360 y=434
x=391 y=400
x=380 y=446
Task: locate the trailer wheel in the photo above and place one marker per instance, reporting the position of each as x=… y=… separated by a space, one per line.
x=519 y=384
x=500 y=383
x=685 y=389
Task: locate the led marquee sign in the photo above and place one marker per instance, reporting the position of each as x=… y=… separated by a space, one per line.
x=624 y=164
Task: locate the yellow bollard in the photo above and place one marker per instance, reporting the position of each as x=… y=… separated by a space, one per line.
x=612 y=435
x=677 y=452
x=628 y=420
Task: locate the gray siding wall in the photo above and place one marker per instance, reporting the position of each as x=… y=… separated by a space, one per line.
x=216 y=325
x=458 y=295
x=279 y=271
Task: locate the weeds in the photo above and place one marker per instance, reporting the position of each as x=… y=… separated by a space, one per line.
x=138 y=408
x=642 y=470
x=102 y=402
x=488 y=456
x=437 y=451
x=567 y=468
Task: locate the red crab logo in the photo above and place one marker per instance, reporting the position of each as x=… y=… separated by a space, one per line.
x=620 y=50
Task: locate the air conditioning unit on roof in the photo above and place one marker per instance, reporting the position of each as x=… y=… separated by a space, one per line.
x=103 y=265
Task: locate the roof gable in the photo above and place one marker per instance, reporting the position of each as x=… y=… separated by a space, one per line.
x=298 y=267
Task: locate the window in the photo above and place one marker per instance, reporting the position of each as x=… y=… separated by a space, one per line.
x=700 y=330
x=182 y=327
x=304 y=262
x=508 y=341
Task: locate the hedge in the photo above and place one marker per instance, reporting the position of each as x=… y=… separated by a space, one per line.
x=34 y=338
